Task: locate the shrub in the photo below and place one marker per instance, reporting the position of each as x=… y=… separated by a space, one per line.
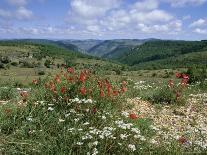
x=7 y=93
x=197 y=74
x=5 y=60
x=172 y=93
x=47 y=63
x=27 y=64
x=14 y=63
x=41 y=72
x=2 y=66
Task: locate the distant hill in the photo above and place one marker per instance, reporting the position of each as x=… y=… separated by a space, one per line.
x=58 y=43
x=83 y=45
x=164 y=53
x=110 y=48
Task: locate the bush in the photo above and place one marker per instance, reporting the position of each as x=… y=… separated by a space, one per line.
x=41 y=72
x=47 y=63
x=7 y=93
x=14 y=63
x=163 y=96
x=5 y=60
x=27 y=64
x=197 y=74
x=2 y=66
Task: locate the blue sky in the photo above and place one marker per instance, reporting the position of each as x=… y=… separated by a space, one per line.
x=103 y=19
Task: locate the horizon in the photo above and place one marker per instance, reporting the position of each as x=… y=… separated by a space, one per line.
x=103 y=20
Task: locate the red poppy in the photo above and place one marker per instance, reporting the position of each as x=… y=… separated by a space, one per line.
x=83 y=90
x=124 y=83
x=100 y=84
x=133 y=116
x=46 y=85
x=24 y=94
x=170 y=83
x=115 y=92
x=182 y=140
x=63 y=89
x=123 y=89
x=57 y=79
x=90 y=91
x=70 y=70
x=35 y=81
x=101 y=93
x=185 y=76
x=178 y=75
x=184 y=82
x=8 y=111
x=178 y=95
x=82 y=77
x=94 y=110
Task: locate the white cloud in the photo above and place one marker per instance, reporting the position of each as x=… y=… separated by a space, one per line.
x=182 y=3
x=90 y=9
x=17 y=2
x=200 y=31
x=5 y=14
x=23 y=14
x=186 y=17
x=111 y=16
x=199 y=23
x=146 y=5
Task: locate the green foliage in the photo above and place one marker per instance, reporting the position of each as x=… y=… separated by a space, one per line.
x=27 y=64
x=47 y=63
x=7 y=93
x=14 y=63
x=167 y=54
x=197 y=74
x=41 y=72
x=163 y=96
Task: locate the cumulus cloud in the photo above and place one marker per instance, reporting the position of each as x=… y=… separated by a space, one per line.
x=200 y=31
x=146 y=5
x=17 y=2
x=182 y=3
x=5 y=14
x=110 y=15
x=199 y=23
x=23 y=14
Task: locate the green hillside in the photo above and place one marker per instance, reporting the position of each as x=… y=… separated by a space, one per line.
x=198 y=59
x=109 y=47
x=155 y=52
x=58 y=43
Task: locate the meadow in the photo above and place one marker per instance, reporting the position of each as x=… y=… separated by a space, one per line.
x=68 y=103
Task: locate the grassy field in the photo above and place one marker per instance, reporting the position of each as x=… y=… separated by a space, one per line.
x=93 y=106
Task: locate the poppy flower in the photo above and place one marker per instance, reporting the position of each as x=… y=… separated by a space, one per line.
x=83 y=90
x=100 y=84
x=94 y=110
x=184 y=82
x=57 y=79
x=170 y=83
x=185 y=76
x=124 y=83
x=35 y=82
x=178 y=95
x=178 y=75
x=115 y=92
x=133 y=116
x=82 y=77
x=63 y=89
x=24 y=94
x=101 y=93
x=123 y=89
x=70 y=70
x=182 y=140
x=8 y=111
